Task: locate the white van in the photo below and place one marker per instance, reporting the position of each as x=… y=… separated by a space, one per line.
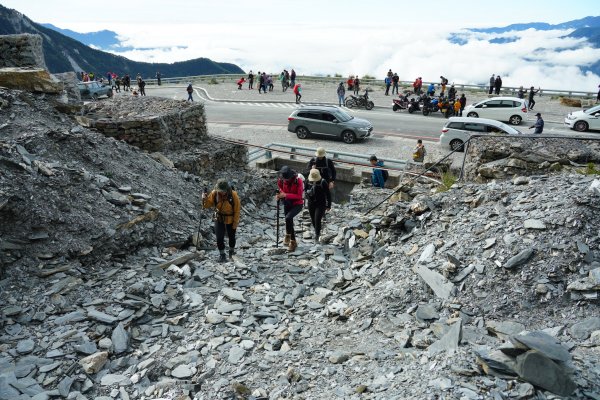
x=458 y=130
x=510 y=109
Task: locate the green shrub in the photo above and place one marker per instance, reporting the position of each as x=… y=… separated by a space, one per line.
x=213 y=81
x=368 y=77
x=337 y=75
x=448 y=179
x=590 y=169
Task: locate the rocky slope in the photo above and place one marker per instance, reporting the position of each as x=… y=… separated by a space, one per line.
x=418 y=300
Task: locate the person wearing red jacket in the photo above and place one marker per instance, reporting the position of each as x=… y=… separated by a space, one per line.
x=298 y=92
x=291 y=189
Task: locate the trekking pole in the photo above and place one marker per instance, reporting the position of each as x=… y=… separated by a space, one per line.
x=197 y=237
x=277 y=237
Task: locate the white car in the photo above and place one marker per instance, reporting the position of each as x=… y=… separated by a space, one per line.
x=458 y=130
x=584 y=120
x=510 y=109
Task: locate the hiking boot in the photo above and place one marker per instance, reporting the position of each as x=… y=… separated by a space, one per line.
x=286 y=240
x=231 y=252
x=293 y=246
x=222 y=257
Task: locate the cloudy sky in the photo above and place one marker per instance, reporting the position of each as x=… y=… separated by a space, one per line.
x=345 y=37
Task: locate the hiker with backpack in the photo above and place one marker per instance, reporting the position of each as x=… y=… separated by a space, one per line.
x=319 y=200
x=227 y=206
x=291 y=189
x=190 y=90
x=325 y=166
x=379 y=176
x=419 y=152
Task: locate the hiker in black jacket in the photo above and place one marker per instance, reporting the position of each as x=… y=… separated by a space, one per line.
x=319 y=200
x=325 y=166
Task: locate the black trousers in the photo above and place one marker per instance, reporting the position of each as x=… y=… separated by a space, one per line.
x=316 y=212
x=290 y=212
x=220 y=229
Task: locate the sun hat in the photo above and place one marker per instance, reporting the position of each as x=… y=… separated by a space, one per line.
x=314 y=176
x=222 y=185
x=320 y=152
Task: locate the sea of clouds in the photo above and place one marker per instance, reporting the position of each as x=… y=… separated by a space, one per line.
x=545 y=59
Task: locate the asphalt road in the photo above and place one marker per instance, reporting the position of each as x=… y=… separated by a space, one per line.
x=386 y=122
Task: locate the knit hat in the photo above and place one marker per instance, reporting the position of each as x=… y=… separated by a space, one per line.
x=286 y=172
x=320 y=152
x=314 y=176
x=222 y=185
x=373 y=158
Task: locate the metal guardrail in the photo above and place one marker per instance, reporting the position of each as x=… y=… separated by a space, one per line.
x=365 y=82
x=256 y=154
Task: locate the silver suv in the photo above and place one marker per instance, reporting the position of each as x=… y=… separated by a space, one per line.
x=328 y=121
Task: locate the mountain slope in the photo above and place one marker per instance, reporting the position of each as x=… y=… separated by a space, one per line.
x=65 y=54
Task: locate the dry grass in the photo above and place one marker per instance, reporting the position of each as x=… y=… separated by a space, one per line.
x=566 y=101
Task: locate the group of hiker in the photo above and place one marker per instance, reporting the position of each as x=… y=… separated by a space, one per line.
x=116 y=82
x=294 y=191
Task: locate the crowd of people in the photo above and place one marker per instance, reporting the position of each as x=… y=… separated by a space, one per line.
x=286 y=78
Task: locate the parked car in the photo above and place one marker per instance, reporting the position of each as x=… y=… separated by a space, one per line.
x=93 y=90
x=584 y=120
x=510 y=109
x=328 y=121
x=458 y=130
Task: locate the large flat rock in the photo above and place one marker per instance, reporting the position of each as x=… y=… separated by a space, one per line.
x=30 y=79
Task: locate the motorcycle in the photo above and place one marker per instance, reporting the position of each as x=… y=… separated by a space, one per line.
x=413 y=106
x=359 y=101
x=430 y=105
x=401 y=103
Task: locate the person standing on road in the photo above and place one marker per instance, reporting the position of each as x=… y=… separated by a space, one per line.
x=598 y=96
x=250 y=80
x=261 y=82
x=227 y=206
x=142 y=87
x=463 y=103
x=443 y=83
x=325 y=166
x=521 y=93
x=388 y=84
x=539 y=124
x=190 y=90
x=532 y=93
x=298 y=92
x=293 y=77
x=377 y=178
x=395 y=81
x=291 y=188
x=341 y=92
x=497 y=85
x=158 y=76
x=319 y=200
x=356 y=85
x=492 y=83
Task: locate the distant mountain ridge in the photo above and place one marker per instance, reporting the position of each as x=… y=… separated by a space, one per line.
x=102 y=40
x=65 y=54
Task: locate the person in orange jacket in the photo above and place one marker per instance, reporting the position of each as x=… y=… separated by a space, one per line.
x=298 y=92
x=227 y=206
x=240 y=83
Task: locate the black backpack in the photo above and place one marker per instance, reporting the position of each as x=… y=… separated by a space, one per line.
x=385 y=174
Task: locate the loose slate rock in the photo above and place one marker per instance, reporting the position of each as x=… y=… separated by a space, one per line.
x=534 y=224
x=25 y=346
x=582 y=330
x=426 y=312
x=120 y=339
x=94 y=363
x=543 y=343
x=536 y=368
x=449 y=341
x=519 y=259
x=338 y=357
x=182 y=372
x=233 y=294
